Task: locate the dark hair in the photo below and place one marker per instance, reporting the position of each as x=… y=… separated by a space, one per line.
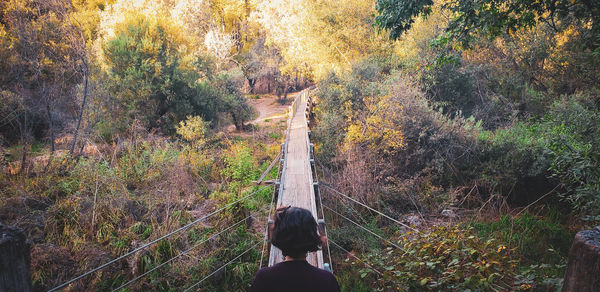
x=295 y=231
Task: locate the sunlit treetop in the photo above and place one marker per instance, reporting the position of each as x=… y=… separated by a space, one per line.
x=492 y=18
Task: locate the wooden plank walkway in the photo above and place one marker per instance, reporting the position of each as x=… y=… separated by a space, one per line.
x=297 y=180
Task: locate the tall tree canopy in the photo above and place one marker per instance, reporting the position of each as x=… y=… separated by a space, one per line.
x=492 y=17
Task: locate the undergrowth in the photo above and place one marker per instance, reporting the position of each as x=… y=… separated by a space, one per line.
x=80 y=213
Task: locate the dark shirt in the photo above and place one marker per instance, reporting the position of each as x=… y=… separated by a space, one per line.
x=292 y=276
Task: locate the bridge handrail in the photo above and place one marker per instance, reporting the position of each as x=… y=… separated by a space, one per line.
x=318 y=194
x=265 y=239
x=313 y=179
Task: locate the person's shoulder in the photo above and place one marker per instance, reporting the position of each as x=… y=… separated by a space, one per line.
x=262 y=279
x=328 y=280
x=264 y=271
x=327 y=275
x=323 y=273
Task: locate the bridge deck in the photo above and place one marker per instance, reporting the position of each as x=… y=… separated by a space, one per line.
x=297 y=176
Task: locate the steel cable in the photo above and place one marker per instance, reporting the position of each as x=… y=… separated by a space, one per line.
x=223 y=266
x=374 y=210
x=366 y=229
x=180 y=254
x=352 y=255
x=185 y=227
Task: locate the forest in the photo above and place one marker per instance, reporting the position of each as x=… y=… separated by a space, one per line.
x=476 y=123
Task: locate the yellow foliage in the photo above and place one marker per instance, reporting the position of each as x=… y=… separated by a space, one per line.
x=380 y=129
x=123 y=15
x=196 y=161
x=318 y=36
x=193 y=129
x=415 y=44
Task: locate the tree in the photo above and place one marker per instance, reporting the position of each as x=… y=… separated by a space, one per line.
x=317 y=36
x=151 y=77
x=492 y=18
x=233 y=102
x=193 y=130
x=220 y=45
x=260 y=62
x=44 y=63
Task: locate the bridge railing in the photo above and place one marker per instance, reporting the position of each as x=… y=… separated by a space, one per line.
x=301 y=98
x=293 y=108
x=314 y=179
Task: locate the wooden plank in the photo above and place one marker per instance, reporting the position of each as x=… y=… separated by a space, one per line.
x=297 y=185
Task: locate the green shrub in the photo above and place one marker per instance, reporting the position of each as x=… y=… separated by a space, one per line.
x=563 y=146
x=275 y=135
x=445 y=258
x=575 y=148
x=241 y=166
x=531 y=237
x=542 y=245
x=451 y=89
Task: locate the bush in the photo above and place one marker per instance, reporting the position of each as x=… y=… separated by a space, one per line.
x=531 y=237
x=574 y=144
x=160 y=84
x=193 y=130
x=233 y=101
x=445 y=258
x=560 y=147
x=541 y=244
x=450 y=88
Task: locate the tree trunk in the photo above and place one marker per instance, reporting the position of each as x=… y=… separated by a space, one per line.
x=296 y=82
x=14 y=260
x=51 y=126
x=252 y=83
x=48 y=101
x=24 y=132
x=236 y=122
x=278 y=92
x=583 y=268
x=83 y=103
x=23 y=158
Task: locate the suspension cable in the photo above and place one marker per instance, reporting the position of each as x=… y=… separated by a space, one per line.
x=325 y=226
x=352 y=255
x=223 y=266
x=326 y=236
x=366 y=229
x=185 y=227
x=378 y=212
x=262 y=252
x=181 y=254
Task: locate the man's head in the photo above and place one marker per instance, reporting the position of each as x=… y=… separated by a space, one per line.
x=295 y=232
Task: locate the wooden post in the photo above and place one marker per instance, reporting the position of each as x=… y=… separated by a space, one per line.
x=583 y=268
x=14 y=260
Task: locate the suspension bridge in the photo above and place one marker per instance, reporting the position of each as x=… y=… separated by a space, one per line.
x=296 y=185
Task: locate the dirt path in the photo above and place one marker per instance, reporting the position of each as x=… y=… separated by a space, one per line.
x=269 y=110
